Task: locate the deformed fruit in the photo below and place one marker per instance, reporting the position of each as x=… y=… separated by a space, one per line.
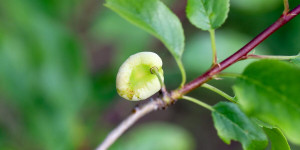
x=135 y=81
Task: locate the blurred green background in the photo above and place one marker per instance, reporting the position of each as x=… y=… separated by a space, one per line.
x=59 y=60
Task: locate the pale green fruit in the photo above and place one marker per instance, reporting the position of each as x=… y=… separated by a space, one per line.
x=135 y=80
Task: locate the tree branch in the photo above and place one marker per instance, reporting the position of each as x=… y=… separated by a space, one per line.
x=177 y=94
x=128 y=122
x=240 y=53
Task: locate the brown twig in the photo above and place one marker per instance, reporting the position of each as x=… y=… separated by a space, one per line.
x=129 y=121
x=177 y=94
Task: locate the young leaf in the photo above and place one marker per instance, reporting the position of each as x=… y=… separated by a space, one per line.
x=154 y=17
x=207 y=14
x=232 y=124
x=269 y=90
x=277 y=139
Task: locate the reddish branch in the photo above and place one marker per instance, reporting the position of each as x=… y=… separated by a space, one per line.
x=168 y=99
x=240 y=53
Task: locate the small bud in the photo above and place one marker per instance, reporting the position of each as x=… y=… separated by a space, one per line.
x=135 y=80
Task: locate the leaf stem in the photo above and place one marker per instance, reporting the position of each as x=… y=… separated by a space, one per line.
x=182 y=71
x=252 y=56
x=196 y=101
x=231 y=75
x=225 y=95
x=213 y=46
x=286 y=7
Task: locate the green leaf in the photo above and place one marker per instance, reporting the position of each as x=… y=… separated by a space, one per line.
x=269 y=90
x=207 y=14
x=232 y=124
x=296 y=60
x=105 y=31
x=154 y=17
x=277 y=139
x=156 y=136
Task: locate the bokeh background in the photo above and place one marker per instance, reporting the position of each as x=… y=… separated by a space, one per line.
x=59 y=60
